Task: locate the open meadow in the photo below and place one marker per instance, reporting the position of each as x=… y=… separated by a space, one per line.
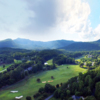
x=29 y=86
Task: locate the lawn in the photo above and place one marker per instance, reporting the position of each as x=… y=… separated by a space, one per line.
x=28 y=87
x=49 y=62
x=17 y=61
x=78 y=59
x=6 y=66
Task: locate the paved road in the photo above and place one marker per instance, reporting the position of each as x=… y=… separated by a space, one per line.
x=49 y=97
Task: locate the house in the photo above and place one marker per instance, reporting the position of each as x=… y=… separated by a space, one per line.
x=93 y=63
x=90 y=56
x=45 y=63
x=85 y=63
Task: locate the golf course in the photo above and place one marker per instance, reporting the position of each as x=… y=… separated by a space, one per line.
x=29 y=85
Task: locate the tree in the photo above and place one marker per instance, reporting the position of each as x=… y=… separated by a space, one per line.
x=81 y=84
x=41 y=90
x=90 y=98
x=52 y=77
x=81 y=64
x=49 y=88
x=3 y=65
x=68 y=92
x=97 y=91
x=87 y=79
x=57 y=85
x=88 y=64
x=28 y=98
x=70 y=98
x=38 y=80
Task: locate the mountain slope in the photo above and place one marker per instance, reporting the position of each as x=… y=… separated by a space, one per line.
x=8 y=43
x=82 y=46
x=28 y=44
x=58 y=44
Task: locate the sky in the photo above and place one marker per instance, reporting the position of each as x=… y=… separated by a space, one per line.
x=47 y=20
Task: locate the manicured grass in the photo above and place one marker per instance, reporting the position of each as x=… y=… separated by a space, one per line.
x=28 y=87
x=17 y=61
x=6 y=66
x=78 y=59
x=49 y=62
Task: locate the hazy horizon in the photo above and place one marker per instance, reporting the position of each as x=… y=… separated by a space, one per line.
x=48 y=40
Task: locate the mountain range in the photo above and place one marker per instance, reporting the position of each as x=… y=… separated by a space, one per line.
x=57 y=44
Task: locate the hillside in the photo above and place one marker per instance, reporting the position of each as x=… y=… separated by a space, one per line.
x=8 y=43
x=28 y=44
x=82 y=46
x=57 y=44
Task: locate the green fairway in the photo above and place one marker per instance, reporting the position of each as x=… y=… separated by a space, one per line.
x=78 y=59
x=49 y=62
x=17 y=61
x=6 y=66
x=28 y=87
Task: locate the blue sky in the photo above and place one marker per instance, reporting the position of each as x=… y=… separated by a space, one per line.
x=95 y=13
x=46 y=20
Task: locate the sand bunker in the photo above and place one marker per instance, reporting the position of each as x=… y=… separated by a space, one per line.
x=50 y=81
x=19 y=97
x=13 y=91
x=44 y=82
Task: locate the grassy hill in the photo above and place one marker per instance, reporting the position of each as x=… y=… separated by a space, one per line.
x=29 y=86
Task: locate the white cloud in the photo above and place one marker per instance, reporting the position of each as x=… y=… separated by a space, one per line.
x=69 y=16
x=97 y=32
x=36 y=19
x=73 y=16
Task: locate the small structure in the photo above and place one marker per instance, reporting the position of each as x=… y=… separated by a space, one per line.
x=85 y=63
x=92 y=63
x=18 y=98
x=90 y=56
x=28 y=69
x=45 y=63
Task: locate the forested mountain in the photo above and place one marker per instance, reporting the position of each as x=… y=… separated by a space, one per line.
x=82 y=46
x=8 y=43
x=28 y=44
x=57 y=44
